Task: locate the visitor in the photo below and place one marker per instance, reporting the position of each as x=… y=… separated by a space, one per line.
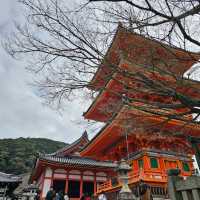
x=87 y=197
x=66 y=197
x=82 y=197
x=102 y=196
x=60 y=194
x=57 y=197
x=37 y=196
x=93 y=197
x=50 y=194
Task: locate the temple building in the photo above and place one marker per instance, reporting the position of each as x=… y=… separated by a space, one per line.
x=149 y=142
x=139 y=133
x=66 y=171
x=8 y=183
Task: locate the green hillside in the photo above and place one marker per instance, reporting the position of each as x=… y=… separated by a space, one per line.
x=17 y=155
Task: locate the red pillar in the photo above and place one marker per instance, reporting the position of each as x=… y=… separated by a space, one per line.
x=95 y=183
x=52 y=177
x=81 y=185
x=146 y=162
x=43 y=177
x=66 y=183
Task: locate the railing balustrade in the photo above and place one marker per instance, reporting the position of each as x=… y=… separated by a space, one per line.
x=145 y=175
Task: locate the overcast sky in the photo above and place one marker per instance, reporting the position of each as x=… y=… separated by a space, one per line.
x=22 y=113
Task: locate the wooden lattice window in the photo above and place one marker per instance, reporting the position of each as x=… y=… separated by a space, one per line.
x=154 y=162
x=186 y=167
x=140 y=163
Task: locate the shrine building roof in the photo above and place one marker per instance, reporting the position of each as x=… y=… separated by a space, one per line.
x=78 y=161
x=9 y=178
x=76 y=146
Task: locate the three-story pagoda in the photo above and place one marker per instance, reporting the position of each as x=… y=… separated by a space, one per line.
x=143 y=135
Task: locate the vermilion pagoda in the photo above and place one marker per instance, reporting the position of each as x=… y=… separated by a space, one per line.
x=147 y=141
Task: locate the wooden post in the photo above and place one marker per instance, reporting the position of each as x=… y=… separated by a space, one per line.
x=4 y=194
x=184 y=194
x=195 y=194
x=172 y=178
x=66 y=183
x=81 y=185
x=146 y=162
x=52 y=177
x=95 y=183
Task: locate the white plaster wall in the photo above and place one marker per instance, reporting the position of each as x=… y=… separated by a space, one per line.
x=74 y=172
x=63 y=176
x=101 y=178
x=48 y=172
x=101 y=174
x=88 y=178
x=75 y=177
x=88 y=173
x=60 y=171
x=40 y=181
x=46 y=187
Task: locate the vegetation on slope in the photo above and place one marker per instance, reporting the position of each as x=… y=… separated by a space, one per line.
x=17 y=155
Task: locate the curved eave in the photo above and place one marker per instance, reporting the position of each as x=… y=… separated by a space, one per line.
x=102 y=70
x=88 y=114
x=73 y=146
x=112 y=131
x=104 y=137
x=107 y=97
x=113 y=90
x=102 y=75
x=70 y=162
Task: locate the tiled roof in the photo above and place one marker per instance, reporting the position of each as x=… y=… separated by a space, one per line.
x=70 y=146
x=79 y=161
x=9 y=178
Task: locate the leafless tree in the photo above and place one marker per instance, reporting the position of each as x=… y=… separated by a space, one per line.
x=66 y=46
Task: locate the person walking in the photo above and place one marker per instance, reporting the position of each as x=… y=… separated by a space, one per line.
x=50 y=194
x=66 y=197
x=102 y=196
x=82 y=197
x=61 y=196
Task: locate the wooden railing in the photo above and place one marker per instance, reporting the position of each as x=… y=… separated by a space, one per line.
x=104 y=186
x=148 y=176
x=108 y=185
x=145 y=175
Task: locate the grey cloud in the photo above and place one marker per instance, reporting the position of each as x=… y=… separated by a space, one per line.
x=22 y=113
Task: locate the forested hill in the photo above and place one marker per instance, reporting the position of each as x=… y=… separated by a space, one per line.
x=17 y=155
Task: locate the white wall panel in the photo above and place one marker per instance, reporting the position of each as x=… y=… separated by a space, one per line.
x=48 y=172
x=46 y=187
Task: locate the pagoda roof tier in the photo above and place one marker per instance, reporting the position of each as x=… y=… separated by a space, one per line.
x=106 y=103
x=109 y=100
x=142 y=51
x=140 y=121
x=71 y=162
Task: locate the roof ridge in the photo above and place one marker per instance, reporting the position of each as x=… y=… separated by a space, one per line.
x=83 y=136
x=76 y=160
